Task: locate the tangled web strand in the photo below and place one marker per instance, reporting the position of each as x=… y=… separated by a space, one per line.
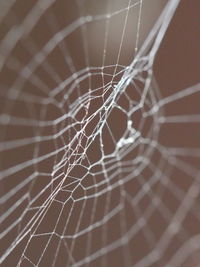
x=94 y=170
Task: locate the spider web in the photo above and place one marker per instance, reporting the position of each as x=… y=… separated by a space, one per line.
x=98 y=164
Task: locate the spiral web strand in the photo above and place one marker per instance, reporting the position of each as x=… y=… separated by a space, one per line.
x=87 y=176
